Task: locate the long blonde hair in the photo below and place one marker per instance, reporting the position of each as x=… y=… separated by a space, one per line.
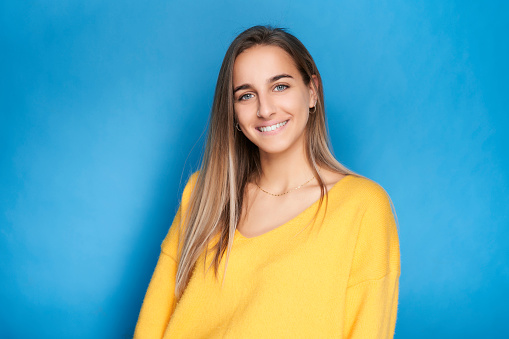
x=231 y=160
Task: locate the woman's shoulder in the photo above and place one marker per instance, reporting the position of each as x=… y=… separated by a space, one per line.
x=361 y=191
x=190 y=184
x=170 y=242
x=365 y=187
x=362 y=196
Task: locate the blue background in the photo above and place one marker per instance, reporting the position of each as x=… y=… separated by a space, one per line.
x=103 y=104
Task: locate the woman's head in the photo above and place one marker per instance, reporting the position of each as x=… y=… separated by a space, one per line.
x=271 y=100
x=226 y=109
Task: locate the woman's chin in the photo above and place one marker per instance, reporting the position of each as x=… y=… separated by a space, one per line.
x=272 y=149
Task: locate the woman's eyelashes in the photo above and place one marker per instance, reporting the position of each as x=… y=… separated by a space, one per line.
x=280 y=88
x=277 y=88
x=245 y=96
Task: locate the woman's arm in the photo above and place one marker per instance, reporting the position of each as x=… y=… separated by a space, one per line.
x=372 y=293
x=159 y=302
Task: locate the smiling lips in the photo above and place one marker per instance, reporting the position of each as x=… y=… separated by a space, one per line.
x=272 y=127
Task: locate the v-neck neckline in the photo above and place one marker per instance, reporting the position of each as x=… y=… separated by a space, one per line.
x=299 y=216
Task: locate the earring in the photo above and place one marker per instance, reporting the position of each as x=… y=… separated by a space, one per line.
x=258 y=114
x=237 y=126
x=312 y=110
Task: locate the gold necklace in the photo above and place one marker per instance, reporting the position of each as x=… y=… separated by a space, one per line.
x=293 y=189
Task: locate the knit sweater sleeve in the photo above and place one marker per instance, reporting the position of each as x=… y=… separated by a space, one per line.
x=372 y=292
x=159 y=302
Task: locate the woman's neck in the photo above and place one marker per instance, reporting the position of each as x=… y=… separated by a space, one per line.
x=284 y=171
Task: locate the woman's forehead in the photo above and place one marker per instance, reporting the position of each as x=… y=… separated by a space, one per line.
x=262 y=62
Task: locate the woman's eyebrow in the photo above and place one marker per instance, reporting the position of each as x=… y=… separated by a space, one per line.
x=272 y=79
x=241 y=87
x=277 y=77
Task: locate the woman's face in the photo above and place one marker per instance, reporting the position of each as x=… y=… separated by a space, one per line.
x=271 y=100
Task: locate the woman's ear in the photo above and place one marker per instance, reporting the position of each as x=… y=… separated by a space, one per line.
x=313 y=91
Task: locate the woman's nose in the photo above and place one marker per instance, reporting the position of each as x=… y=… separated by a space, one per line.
x=266 y=107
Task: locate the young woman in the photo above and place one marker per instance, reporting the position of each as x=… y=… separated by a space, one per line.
x=274 y=238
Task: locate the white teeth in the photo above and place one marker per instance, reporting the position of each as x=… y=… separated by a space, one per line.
x=273 y=127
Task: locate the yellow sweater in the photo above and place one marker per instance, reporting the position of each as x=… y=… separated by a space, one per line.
x=337 y=280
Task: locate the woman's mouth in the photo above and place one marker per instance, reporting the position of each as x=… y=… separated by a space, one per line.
x=272 y=127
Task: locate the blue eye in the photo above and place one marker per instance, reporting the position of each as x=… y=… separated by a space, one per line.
x=280 y=88
x=246 y=96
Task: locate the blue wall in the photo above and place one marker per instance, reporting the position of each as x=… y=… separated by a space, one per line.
x=102 y=102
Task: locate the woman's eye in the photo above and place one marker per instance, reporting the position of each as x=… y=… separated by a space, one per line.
x=280 y=88
x=245 y=96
